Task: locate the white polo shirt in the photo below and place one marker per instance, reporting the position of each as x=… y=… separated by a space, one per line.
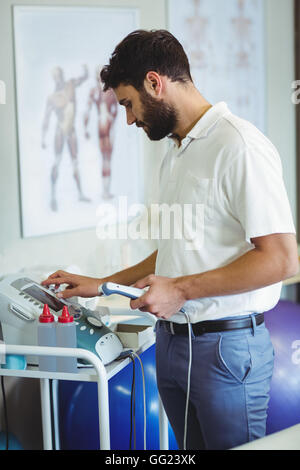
x=230 y=174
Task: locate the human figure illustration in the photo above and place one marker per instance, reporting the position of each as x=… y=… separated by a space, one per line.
x=242 y=48
x=106 y=106
x=63 y=103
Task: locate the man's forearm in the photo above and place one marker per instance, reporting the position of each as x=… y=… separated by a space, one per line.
x=254 y=270
x=130 y=275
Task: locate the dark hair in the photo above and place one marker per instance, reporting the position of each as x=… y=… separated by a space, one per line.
x=142 y=51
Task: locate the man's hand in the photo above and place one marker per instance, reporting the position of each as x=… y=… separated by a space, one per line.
x=81 y=286
x=163 y=299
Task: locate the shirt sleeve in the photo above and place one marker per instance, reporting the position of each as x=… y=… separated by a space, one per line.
x=255 y=192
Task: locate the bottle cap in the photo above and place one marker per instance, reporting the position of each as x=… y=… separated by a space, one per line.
x=46 y=316
x=65 y=317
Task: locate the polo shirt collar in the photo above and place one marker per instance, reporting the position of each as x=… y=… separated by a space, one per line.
x=210 y=118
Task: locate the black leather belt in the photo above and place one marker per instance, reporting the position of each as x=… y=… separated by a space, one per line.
x=213 y=326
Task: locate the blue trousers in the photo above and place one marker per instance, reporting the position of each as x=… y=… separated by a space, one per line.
x=229 y=388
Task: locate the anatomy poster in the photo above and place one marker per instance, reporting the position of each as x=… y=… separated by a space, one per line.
x=76 y=150
x=224 y=41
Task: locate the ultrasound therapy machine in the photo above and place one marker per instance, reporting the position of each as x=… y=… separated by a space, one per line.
x=22 y=301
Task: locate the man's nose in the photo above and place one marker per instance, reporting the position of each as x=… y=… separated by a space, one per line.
x=130 y=117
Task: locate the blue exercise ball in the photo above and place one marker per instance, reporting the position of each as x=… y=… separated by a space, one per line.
x=283 y=323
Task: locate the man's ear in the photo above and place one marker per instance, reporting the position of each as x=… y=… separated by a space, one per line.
x=153 y=84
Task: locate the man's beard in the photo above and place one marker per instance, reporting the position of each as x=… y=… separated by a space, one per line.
x=159 y=118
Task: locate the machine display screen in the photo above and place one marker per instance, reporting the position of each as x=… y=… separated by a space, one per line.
x=44 y=297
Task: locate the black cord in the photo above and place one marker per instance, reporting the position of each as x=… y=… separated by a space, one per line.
x=5 y=413
x=132 y=404
x=124 y=355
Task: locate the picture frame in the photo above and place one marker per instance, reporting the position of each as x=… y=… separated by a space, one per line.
x=76 y=151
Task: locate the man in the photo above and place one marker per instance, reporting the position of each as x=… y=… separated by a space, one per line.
x=107 y=110
x=63 y=103
x=245 y=247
